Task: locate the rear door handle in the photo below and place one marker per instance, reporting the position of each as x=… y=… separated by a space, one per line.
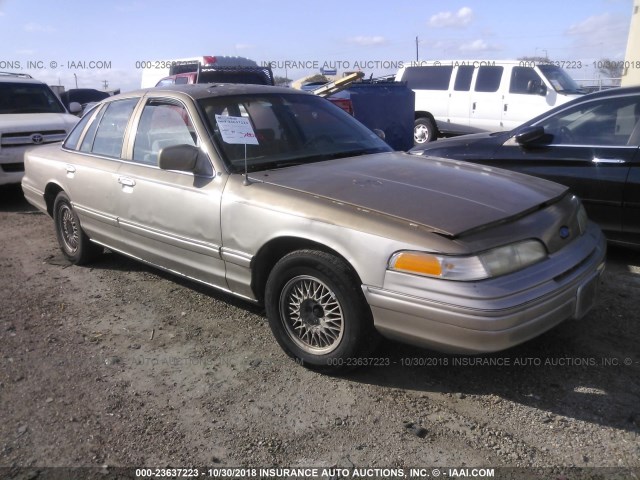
x=597 y=160
x=126 y=181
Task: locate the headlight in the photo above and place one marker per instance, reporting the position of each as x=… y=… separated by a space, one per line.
x=583 y=220
x=492 y=263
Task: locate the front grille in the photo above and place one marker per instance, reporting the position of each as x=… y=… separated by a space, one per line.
x=27 y=138
x=12 y=167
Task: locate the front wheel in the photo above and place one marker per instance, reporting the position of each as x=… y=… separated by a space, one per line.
x=317 y=311
x=424 y=130
x=74 y=243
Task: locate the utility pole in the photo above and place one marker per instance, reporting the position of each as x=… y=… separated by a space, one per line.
x=105 y=84
x=417 y=49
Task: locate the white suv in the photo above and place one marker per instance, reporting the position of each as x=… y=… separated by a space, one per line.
x=30 y=114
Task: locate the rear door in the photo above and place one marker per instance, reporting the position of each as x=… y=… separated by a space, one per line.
x=92 y=161
x=592 y=148
x=460 y=100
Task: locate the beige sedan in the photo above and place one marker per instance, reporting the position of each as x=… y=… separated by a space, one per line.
x=283 y=199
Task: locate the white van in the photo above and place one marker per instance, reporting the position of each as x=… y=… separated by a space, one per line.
x=468 y=96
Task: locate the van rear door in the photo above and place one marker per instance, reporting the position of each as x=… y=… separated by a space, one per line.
x=486 y=99
x=460 y=101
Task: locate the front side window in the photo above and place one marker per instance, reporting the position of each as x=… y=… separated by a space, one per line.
x=525 y=80
x=109 y=135
x=162 y=124
x=289 y=129
x=605 y=122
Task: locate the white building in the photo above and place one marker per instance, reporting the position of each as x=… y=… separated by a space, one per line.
x=631 y=72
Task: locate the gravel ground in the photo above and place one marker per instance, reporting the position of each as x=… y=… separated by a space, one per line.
x=118 y=364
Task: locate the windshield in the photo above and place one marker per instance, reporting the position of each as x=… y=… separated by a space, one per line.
x=28 y=98
x=559 y=79
x=287 y=129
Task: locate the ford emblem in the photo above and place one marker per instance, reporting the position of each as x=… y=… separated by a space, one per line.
x=564 y=232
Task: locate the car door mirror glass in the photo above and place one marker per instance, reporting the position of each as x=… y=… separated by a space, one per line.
x=75 y=108
x=183 y=158
x=529 y=135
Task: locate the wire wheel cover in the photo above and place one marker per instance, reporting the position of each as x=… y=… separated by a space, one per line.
x=311 y=315
x=69 y=230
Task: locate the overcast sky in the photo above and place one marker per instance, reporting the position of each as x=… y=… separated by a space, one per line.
x=106 y=40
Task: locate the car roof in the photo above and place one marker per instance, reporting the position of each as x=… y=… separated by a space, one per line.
x=206 y=90
x=612 y=92
x=6 y=77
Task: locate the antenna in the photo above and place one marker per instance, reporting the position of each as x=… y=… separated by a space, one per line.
x=246 y=170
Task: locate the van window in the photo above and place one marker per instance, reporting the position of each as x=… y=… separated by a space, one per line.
x=428 y=78
x=525 y=80
x=488 y=79
x=463 y=78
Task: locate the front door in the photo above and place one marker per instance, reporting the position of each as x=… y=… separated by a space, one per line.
x=171 y=218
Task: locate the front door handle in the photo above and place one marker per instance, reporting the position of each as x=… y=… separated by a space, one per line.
x=70 y=169
x=126 y=181
x=597 y=160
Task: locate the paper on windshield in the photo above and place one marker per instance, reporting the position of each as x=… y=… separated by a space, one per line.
x=236 y=130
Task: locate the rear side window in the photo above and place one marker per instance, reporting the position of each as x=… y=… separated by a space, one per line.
x=165 y=82
x=525 y=80
x=488 y=79
x=74 y=137
x=463 y=78
x=113 y=125
x=428 y=78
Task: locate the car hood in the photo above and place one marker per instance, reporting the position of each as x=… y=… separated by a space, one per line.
x=485 y=139
x=445 y=196
x=34 y=122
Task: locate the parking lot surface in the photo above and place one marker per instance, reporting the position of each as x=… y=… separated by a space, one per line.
x=119 y=364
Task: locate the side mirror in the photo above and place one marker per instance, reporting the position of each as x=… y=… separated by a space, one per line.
x=183 y=158
x=379 y=133
x=75 y=108
x=528 y=135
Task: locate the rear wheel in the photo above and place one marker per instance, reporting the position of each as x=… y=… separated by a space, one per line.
x=317 y=311
x=424 y=130
x=74 y=243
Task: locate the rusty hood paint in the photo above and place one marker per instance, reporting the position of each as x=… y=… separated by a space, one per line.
x=446 y=196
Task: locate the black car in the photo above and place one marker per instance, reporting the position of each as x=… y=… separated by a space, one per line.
x=589 y=144
x=83 y=96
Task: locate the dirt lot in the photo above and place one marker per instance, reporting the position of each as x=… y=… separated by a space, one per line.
x=119 y=364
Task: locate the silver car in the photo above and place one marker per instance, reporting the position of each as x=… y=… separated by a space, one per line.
x=283 y=199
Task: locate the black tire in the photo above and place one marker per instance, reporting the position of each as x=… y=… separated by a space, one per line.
x=74 y=243
x=317 y=311
x=424 y=131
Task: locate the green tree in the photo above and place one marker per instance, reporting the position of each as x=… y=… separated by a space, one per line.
x=281 y=81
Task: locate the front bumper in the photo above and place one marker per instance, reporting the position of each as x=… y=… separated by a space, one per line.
x=494 y=314
x=12 y=164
